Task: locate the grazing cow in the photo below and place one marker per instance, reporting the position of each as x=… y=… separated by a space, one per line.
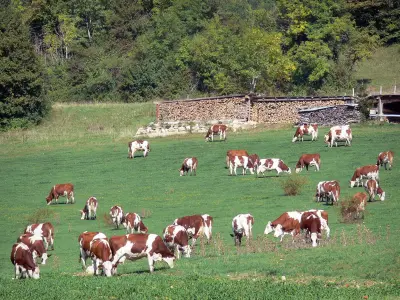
x=100 y=252
x=214 y=130
x=306 y=129
x=311 y=223
x=385 y=158
x=208 y=223
x=45 y=230
x=360 y=200
x=238 y=161
x=64 y=190
x=235 y=153
x=36 y=245
x=23 y=261
x=339 y=134
x=84 y=240
x=136 y=246
x=138 y=145
x=194 y=226
x=189 y=164
x=177 y=240
x=286 y=223
x=323 y=217
x=308 y=160
x=117 y=215
x=269 y=164
x=254 y=160
x=328 y=191
x=367 y=172
x=133 y=223
x=89 y=210
x=242 y=226
x=372 y=188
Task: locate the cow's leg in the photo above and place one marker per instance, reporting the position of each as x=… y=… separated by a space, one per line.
x=278 y=170
x=16 y=271
x=72 y=197
x=235 y=169
x=151 y=262
x=178 y=252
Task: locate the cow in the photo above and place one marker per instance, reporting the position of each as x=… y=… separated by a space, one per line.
x=234 y=153
x=359 y=199
x=133 y=223
x=64 y=190
x=214 y=130
x=365 y=172
x=117 y=215
x=254 y=160
x=269 y=164
x=36 y=245
x=177 y=240
x=84 y=240
x=323 y=216
x=193 y=224
x=100 y=252
x=311 y=223
x=138 y=145
x=339 y=134
x=242 y=226
x=238 y=161
x=89 y=210
x=189 y=164
x=291 y=220
x=208 y=223
x=136 y=246
x=372 y=188
x=306 y=129
x=308 y=160
x=45 y=230
x=385 y=158
x=328 y=191
x=24 y=264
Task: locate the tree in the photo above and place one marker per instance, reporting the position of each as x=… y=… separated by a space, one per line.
x=21 y=92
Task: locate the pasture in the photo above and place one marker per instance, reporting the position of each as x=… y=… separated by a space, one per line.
x=360 y=260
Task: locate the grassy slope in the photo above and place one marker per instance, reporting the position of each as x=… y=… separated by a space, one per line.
x=382 y=69
x=364 y=255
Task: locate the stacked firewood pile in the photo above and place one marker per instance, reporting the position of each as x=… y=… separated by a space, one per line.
x=330 y=116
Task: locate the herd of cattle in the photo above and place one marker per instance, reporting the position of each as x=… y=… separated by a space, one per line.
x=108 y=253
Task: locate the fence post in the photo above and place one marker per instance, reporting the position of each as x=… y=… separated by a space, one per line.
x=157 y=112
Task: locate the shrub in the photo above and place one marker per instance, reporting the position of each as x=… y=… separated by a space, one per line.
x=349 y=211
x=293 y=185
x=42 y=215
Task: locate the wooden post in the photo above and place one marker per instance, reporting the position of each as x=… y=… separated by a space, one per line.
x=157 y=112
x=380 y=107
x=249 y=109
x=394 y=90
x=353 y=92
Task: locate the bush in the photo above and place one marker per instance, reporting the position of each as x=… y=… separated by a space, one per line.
x=293 y=185
x=349 y=211
x=42 y=215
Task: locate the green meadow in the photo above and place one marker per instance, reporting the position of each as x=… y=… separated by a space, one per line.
x=87 y=146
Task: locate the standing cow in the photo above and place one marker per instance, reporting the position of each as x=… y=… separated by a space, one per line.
x=36 y=245
x=308 y=160
x=230 y=153
x=138 y=145
x=64 y=190
x=339 y=134
x=177 y=240
x=45 y=230
x=189 y=165
x=365 y=172
x=117 y=215
x=84 y=240
x=214 y=130
x=207 y=229
x=89 y=210
x=100 y=252
x=238 y=161
x=133 y=223
x=24 y=265
x=328 y=191
x=385 y=158
x=242 y=225
x=194 y=226
x=306 y=129
x=311 y=223
x=372 y=188
x=269 y=164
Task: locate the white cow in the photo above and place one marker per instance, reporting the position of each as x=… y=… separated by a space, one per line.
x=339 y=134
x=269 y=164
x=138 y=145
x=238 y=161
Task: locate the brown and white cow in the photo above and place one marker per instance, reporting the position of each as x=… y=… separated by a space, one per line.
x=117 y=215
x=100 y=252
x=189 y=165
x=360 y=200
x=133 y=223
x=311 y=223
x=194 y=226
x=45 y=230
x=306 y=129
x=235 y=153
x=136 y=246
x=214 y=130
x=323 y=216
x=36 y=245
x=286 y=223
x=339 y=134
x=385 y=158
x=64 y=190
x=238 y=161
x=254 y=160
x=23 y=261
x=242 y=226
x=365 y=172
x=138 y=145
x=269 y=164
x=177 y=240
x=372 y=188
x=84 y=240
x=328 y=191
x=308 y=160
x=208 y=223
x=89 y=210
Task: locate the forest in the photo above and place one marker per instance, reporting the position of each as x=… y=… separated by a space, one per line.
x=142 y=50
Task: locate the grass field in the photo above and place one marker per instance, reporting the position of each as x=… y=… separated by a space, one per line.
x=360 y=260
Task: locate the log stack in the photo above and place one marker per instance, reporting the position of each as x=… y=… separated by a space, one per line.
x=330 y=116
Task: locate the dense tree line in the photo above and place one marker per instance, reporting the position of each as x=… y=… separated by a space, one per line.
x=139 y=50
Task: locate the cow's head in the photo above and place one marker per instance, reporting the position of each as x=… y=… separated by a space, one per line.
x=169 y=259
x=268 y=228
x=186 y=250
x=181 y=172
x=352 y=183
x=381 y=194
x=83 y=214
x=208 y=135
x=49 y=199
x=326 y=138
x=289 y=171
x=35 y=274
x=107 y=268
x=142 y=228
x=278 y=230
x=314 y=238
x=44 y=258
